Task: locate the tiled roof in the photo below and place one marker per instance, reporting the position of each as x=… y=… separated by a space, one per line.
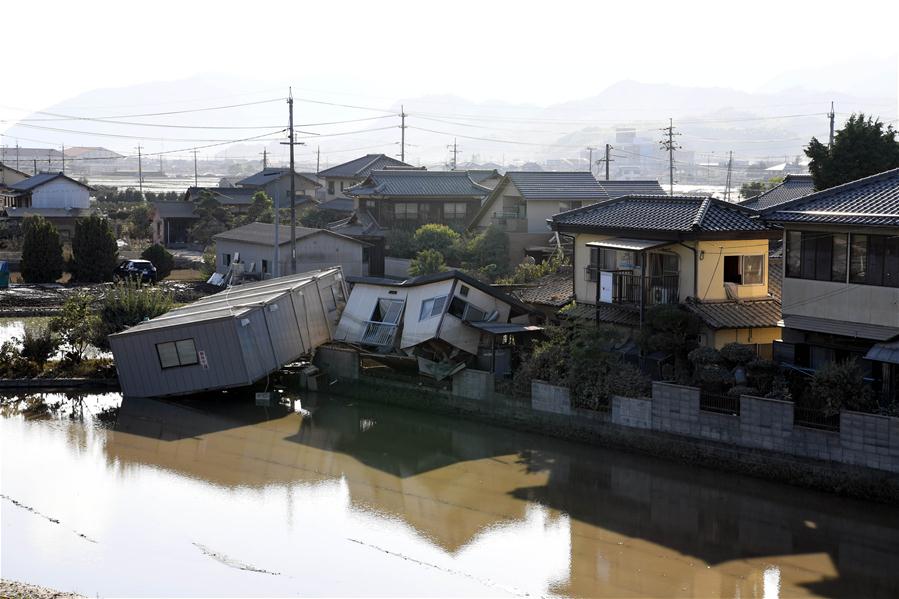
x=361 y=167
x=264 y=234
x=174 y=209
x=775 y=276
x=616 y=189
x=229 y=196
x=748 y=314
x=266 y=176
x=556 y=289
x=609 y=313
x=418 y=183
x=480 y=175
x=792 y=187
x=558 y=186
x=661 y=213
x=40 y=179
x=338 y=204
x=871 y=201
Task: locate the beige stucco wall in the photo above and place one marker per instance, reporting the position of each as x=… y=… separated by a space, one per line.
x=761 y=336
x=711 y=268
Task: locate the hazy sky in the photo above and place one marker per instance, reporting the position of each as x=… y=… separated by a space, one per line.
x=535 y=52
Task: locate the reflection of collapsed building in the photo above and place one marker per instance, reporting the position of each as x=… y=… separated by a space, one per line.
x=444 y=321
x=230 y=339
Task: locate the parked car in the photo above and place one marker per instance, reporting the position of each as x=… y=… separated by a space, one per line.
x=135 y=270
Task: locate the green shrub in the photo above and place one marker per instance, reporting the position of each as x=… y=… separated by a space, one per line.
x=435 y=237
x=161 y=258
x=94 y=250
x=400 y=244
x=209 y=259
x=738 y=390
x=42 y=260
x=427 y=262
x=529 y=271
x=139 y=218
x=486 y=251
x=839 y=386
x=673 y=330
x=737 y=354
x=126 y=305
x=39 y=345
x=762 y=374
x=13 y=365
x=705 y=355
x=76 y=325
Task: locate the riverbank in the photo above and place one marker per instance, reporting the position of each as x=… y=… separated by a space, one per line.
x=596 y=428
x=11 y=589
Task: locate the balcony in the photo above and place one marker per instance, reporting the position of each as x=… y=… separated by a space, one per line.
x=380 y=334
x=625 y=287
x=511 y=220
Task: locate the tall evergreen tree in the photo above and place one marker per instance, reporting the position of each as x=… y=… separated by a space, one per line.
x=863 y=147
x=94 y=250
x=42 y=260
x=212 y=218
x=261 y=210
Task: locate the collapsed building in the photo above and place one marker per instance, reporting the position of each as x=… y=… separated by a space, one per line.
x=442 y=323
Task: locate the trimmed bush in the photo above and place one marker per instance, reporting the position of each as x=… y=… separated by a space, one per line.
x=161 y=258
x=839 y=386
x=42 y=260
x=427 y=262
x=737 y=354
x=435 y=237
x=39 y=345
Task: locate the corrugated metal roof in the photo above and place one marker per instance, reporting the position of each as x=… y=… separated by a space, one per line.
x=616 y=189
x=361 y=167
x=419 y=184
x=872 y=201
x=175 y=209
x=661 y=213
x=268 y=175
x=264 y=234
x=861 y=330
x=792 y=187
x=625 y=243
x=748 y=314
x=230 y=303
x=558 y=186
x=884 y=352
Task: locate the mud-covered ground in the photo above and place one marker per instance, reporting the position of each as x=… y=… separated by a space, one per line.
x=46 y=300
x=10 y=589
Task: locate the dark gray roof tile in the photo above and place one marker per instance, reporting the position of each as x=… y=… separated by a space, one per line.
x=361 y=167
x=616 y=189
x=737 y=315
x=418 y=183
x=792 y=187
x=558 y=186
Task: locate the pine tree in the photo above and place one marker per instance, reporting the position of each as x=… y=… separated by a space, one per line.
x=94 y=250
x=42 y=260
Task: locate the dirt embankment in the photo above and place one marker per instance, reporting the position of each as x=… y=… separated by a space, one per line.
x=10 y=589
x=46 y=300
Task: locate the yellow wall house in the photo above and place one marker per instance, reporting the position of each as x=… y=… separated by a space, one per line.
x=711 y=256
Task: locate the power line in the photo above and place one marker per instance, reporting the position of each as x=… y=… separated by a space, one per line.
x=128 y=116
x=670 y=146
x=114 y=135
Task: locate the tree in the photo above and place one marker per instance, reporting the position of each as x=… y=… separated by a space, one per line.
x=487 y=251
x=863 y=147
x=139 y=219
x=42 y=260
x=76 y=324
x=212 y=218
x=94 y=250
x=751 y=189
x=839 y=386
x=161 y=258
x=435 y=237
x=427 y=262
x=262 y=210
x=671 y=329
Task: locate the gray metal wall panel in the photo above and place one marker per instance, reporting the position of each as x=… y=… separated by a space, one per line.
x=284 y=331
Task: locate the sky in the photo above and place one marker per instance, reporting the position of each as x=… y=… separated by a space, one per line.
x=525 y=51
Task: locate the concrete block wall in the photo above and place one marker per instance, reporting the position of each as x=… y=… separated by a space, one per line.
x=337 y=362
x=631 y=411
x=766 y=423
x=550 y=398
x=675 y=409
x=869 y=440
x=473 y=384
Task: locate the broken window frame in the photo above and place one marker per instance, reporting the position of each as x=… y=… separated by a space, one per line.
x=431 y=307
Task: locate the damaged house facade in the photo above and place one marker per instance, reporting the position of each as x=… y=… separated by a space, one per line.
x=230 y=339
x=444 y=322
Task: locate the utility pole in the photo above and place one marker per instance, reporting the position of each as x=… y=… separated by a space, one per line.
x=455 y=152
x=670 y=146
x=49 y=160
x=17 y=155
x=831 y=116
x=195 y=170
x=264 y=159
x=318 y=159
x=590 y=159
x=730 y=164
x=35 y=166
x=161 y=170
x=608 y=159
x=63 y=159
x=402 y=133
x=293 y=193
x=140 y=173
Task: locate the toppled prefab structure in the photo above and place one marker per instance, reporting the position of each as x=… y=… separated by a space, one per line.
x=445 y=321
x=231 y=339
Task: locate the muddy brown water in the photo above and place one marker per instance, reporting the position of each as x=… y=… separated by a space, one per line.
x=320 y=496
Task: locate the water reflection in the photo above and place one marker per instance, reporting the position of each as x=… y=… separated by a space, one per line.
x=338 y=498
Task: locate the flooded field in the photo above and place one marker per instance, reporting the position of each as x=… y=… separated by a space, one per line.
x=319 y=496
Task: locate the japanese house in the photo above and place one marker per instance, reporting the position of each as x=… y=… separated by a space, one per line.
x=338 y=179
x=841 y=278
x=791 y=188
x=253 y=246
x=54 y=196
x=441 y=323
x=171 y=222
x=231 y=339
x=641 y=251
x=409 y=198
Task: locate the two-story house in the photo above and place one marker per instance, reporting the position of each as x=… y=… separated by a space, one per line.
x=338 y=179
x=407 y=198
x=9 y=175
x=54 y=196
x=522 y=202
x=640 y=251
x=275 y=182
x=841 y=277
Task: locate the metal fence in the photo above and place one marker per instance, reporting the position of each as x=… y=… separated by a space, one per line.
x=814 y=418
x=719 y=403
